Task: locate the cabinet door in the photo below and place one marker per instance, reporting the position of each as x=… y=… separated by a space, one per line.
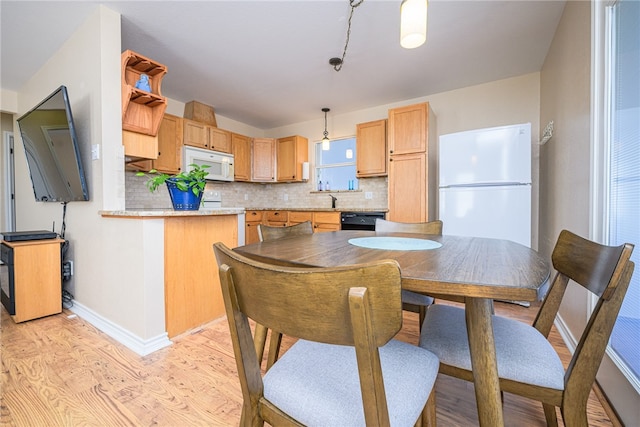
x=241 y=157
x=263 y=160
x=326 y=221
x=408 y=129
x=276 y=218
x=220 y=140
x=196 y=134
x=408 y=188
x=291 y=152
x=169 y=145
x=251 y=232
x=297 y=217
x=371 y=149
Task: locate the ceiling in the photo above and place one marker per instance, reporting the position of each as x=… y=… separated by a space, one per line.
x=266 y=63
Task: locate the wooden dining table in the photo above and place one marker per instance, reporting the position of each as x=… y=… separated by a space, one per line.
x=469 y=269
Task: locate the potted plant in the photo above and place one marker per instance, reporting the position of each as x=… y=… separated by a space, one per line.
x=185 y=188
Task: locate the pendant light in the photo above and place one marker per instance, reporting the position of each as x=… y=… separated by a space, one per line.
x=326 y=144
x=413 y=23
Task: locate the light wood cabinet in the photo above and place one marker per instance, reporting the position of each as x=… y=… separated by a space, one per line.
x=196 y=134
x=408 y=129
x=241 y=149
x=220 y=140
x=412 y=164
x=252 y=220
x=297 y=217
x=36 y=277
x=142 y=110
x=263 y=160
x=291 y=152
x=371 y=149
x=276 y=218
x=326 y=221
x=169 y=156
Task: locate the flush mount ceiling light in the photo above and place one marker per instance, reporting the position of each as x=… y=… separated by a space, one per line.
x=326 y=144
x=413 y=23
x=336 y=63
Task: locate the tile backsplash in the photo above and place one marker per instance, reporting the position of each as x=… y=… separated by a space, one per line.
x=266 y=196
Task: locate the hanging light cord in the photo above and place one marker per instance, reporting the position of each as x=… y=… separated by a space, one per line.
x=326 y=134
x=340 y=61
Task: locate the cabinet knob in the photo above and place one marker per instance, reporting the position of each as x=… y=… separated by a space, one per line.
x=390 y=151
x=391 y=160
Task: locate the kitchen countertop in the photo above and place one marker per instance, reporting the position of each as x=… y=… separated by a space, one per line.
x=320 y=209
x=157 y=213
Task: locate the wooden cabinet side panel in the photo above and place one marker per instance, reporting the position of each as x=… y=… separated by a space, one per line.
x=38 y=282
x=407 y=188
x=192 y=286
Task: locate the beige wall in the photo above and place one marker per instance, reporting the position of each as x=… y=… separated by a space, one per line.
x=565 y=160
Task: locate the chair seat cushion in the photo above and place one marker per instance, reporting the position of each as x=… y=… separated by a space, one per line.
x=318 y=384
x=416 y=298
x=523 y=354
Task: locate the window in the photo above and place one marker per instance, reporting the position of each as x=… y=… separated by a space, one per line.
x=623 y=157
x=336 y=167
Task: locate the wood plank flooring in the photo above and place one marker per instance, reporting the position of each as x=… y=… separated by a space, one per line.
x=61 y=371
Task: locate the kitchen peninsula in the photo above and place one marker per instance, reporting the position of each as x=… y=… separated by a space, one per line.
x=178 y=246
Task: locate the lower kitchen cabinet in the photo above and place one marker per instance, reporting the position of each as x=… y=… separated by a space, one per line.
x=320 y=220
x=326 y=221
x=252 y=220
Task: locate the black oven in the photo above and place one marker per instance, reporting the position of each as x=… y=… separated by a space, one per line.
x=7 y=291
x=359 y=220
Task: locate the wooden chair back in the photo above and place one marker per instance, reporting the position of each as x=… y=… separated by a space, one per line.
x=353 y=306
x=267 y=232
x=606 y=272
x=431 y=227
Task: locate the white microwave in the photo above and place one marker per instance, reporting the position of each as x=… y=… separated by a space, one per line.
x=220 y=164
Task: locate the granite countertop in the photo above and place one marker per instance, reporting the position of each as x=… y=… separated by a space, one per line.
x=320 y=209
x=140 y=213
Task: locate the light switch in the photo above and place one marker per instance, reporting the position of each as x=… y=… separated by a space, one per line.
x=95 y=151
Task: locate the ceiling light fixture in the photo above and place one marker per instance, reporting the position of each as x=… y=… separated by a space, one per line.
x=336 y=63
x=326 y=143
x=413 y=23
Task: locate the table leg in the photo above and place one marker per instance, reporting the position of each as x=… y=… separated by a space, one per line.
x=483 y=361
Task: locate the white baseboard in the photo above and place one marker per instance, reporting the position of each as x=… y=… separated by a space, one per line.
x=123 y=336
x=568 y=338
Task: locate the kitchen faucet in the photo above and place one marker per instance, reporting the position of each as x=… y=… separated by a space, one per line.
x=333 y=201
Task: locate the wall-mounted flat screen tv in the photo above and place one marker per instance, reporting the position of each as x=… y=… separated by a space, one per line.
x=51 y=147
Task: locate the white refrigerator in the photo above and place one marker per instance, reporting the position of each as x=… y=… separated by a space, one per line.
x=485 y=183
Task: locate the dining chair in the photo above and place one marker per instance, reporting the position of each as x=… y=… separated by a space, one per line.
x=266 y=233
x=412 y=301
x=527 y=363
x=345 y=368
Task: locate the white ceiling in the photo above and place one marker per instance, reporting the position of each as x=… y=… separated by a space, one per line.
x=265 y=63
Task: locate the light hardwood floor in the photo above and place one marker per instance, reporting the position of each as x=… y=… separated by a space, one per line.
x=61 y=371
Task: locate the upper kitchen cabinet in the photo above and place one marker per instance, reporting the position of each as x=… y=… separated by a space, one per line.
x=412 y=164
x=220 y=140
x=241 y=150
x=371 y=149
x=196 y=134
x=291 y=152
x=408 y=129
x=142 y=109
x=263 y=160
x=169 y=156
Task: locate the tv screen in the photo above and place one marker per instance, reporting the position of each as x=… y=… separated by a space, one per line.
x=51 y=147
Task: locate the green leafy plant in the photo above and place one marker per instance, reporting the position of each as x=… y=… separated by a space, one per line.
x=193 y=180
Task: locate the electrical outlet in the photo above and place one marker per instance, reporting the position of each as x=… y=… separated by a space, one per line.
x=368 y=195
x=285 y=197
x=67 y=270
x=95 y=151
x=246 y=197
